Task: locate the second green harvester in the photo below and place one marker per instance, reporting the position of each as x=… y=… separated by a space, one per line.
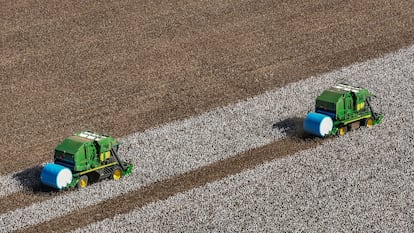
x=339 y=109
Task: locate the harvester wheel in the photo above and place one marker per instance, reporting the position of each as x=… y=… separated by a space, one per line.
x=342 y=131
x=116 y=173
x=370 y=122
x=83 y=181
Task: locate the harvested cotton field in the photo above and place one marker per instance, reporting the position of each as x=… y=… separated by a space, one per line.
x=208 y=99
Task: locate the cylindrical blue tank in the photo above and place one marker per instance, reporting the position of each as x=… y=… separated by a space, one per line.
x=318 y=124
x=55 y=176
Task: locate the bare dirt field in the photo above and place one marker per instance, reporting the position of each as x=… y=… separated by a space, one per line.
x=123 y=67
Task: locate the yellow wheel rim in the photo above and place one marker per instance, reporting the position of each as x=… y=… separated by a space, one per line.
x=342 y=131
x=117 y=174
x=370 y=122
x=83 y=183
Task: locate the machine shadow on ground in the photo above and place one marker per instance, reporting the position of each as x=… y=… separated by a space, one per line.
x=30 y=180
x=293 y=128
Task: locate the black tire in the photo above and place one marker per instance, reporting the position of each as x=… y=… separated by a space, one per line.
x=83 y=181
x=116 y=173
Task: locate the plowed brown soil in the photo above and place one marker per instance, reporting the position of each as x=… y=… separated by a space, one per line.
x=120 y=67
x=21 y=199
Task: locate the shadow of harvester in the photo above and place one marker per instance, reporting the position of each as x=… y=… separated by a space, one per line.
x=30 y=180
x=293 y=128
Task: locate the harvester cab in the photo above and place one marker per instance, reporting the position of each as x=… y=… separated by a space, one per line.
x=82 y=158
x=339 y=109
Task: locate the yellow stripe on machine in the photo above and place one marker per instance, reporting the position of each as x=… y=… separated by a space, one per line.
x=357 y=119
x=97 y=168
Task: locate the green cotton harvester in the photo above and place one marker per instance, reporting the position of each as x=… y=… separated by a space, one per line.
x=82 y=158
x=339 y=109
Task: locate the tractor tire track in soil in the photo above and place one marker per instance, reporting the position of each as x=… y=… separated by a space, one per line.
x=168 y=62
